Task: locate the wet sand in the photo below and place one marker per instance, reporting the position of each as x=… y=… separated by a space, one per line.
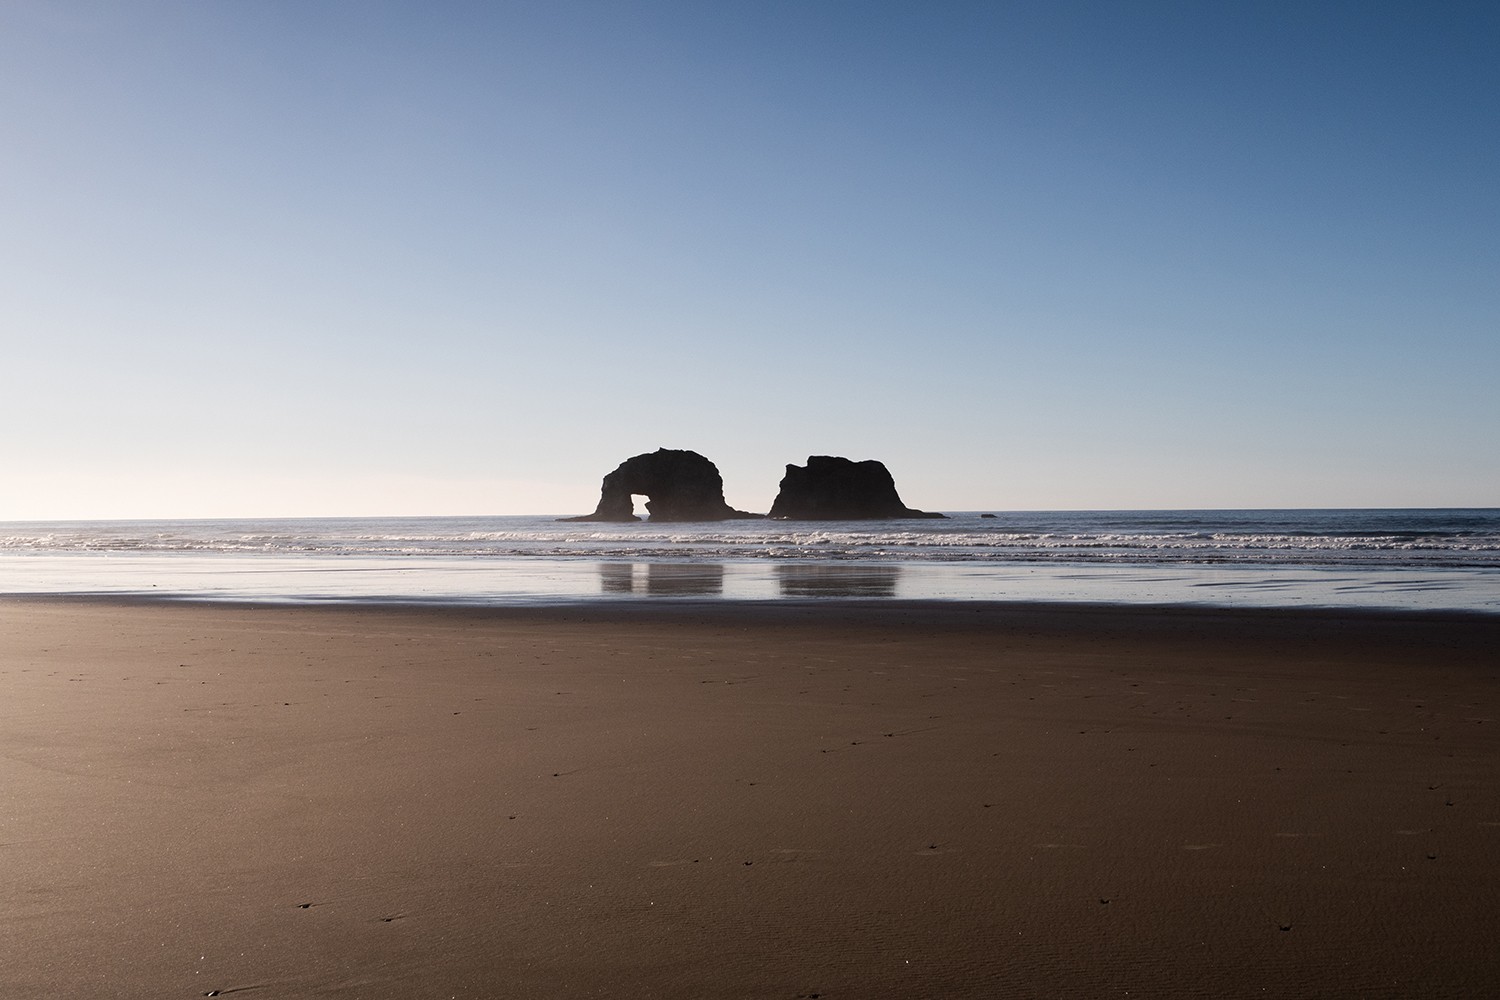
x=717 y=800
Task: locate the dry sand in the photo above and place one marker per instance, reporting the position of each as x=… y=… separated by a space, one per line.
x=752 y=801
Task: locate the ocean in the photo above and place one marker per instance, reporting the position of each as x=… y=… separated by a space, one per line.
x=1424 y=559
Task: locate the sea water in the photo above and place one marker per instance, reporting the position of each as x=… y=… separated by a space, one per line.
x=1401 y=559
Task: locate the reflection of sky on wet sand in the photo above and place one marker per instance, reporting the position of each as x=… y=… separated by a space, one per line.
x=837 y=580
x=293 y=577
x=662 y=579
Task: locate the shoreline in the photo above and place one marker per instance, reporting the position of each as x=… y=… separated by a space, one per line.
x=540 y=581
x=849 y=798
x=880 y=612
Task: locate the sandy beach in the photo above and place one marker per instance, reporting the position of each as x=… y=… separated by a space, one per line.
x=714 y=800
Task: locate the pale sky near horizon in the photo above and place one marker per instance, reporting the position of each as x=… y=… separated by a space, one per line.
x=323 y=258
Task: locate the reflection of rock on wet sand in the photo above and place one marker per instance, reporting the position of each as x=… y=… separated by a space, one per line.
x=833 y=580
x=662 y=579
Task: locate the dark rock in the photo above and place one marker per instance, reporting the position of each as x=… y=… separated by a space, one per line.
x=828 y=488
x=678 y=485
x=986 y=515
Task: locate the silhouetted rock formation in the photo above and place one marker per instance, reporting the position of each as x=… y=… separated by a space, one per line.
x=828 y=488
x=678 y=485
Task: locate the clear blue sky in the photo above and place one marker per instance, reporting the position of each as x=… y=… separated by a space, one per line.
x=295 y=258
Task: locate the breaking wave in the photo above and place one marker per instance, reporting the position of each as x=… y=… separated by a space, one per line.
x=1439 y=538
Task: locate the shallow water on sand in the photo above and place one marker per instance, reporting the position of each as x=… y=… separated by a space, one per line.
x=286 y=577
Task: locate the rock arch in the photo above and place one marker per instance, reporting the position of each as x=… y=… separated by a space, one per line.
x=678 y=485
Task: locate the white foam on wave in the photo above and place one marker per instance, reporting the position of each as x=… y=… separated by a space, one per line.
x=1309 y=538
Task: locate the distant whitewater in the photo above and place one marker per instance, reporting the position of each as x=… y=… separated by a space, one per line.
x=1324 y=557
x=1456 y=538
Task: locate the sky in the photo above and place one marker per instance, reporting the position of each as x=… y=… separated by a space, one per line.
x=318 y=257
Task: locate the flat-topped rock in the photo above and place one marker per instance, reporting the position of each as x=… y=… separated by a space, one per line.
x=678 y=485
x=830 y=488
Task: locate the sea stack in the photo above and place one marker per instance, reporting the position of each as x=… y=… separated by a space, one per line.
x=829 y=488
x=678 y=485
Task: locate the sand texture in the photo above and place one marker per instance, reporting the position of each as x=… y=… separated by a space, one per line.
x=755 y=802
